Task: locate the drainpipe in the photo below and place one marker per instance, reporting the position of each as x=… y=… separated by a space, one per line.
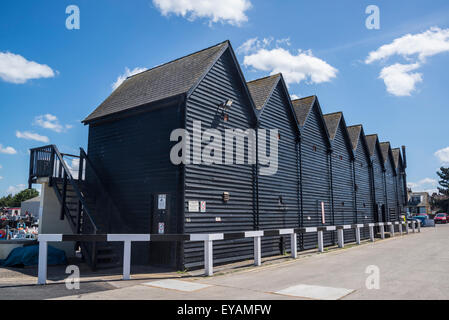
x=373 y=190
x=256 y=227
x=331 y=189
x=387 y=212
x=354 y=186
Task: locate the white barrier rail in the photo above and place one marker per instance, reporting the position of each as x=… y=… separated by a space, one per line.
x=208 y=240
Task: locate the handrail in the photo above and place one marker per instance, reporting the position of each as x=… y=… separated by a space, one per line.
x=75 y=187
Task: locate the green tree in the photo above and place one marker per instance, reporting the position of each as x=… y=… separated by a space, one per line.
x=15 y=201
x=444 y=188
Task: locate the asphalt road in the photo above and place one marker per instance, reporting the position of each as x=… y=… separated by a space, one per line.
x=408 y=267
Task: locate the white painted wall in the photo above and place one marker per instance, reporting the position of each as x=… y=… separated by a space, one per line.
x=50 y=222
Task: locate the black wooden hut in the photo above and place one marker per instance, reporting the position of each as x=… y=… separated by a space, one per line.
x=390 y=182
x=377 y=178
x=314 y=161
x=129 y=144
x=342 y=173
x=362 y=173
x=278 y=199
x=400 y=179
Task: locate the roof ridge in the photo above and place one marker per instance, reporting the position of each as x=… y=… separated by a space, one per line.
x=312 y=96
x=263 y=78
x=177 y=59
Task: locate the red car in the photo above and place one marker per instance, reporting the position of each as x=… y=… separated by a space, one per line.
x=441 y=218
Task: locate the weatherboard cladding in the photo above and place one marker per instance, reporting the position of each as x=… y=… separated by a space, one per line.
x=315 y=171
x=364 y=203
x=131 y=156
x=282 y=186
x=399 y=178
x=342 y=173
x=208 y=183
x=378 y=177
x=390 y=182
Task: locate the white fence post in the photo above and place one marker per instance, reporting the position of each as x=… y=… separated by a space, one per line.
x=407 y=229
x=382 y=230
x=208 y=249
x=371 y=232
x=43 y=250
x=257 y=251
x=392 y=230
x=357 y=234
x=294 y=245
x=341 y=238
x=413 y=226
x=127 y=239
x=400 y=228
x=419 y=225
x=320 y=241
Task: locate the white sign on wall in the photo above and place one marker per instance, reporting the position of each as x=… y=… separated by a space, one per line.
x=161 y=228
x=162 y=202
x=203 y=206
x=194 y=206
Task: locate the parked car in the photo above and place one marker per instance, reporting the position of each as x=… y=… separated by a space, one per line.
x=423 y=218
x=441 y=218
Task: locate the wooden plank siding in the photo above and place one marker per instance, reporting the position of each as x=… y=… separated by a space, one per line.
x=209 y=182
x=277 y=114
x=315 y=178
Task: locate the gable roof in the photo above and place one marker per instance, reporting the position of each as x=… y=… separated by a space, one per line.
x=261 y=89
x=302 y=108
x=164 y=81
x=397 y=157
x=332 y=121
x=354 y=134
x=373 y=142
x=387 y=153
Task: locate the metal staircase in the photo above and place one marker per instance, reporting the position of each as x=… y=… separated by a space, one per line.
x=84 y=200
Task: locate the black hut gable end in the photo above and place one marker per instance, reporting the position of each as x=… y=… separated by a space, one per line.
x=314 y=165
x=400 y=179
x=278 y=194
x=342 y=172
x=362 y=173
x=226 y=190
x=390 y=182
x=377 y=178
x=129 y=145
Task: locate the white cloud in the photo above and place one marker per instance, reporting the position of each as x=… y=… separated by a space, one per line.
x=51 y=122
x=15 y=189
x=294 y=67
x=128 y=73
x=443 y=155
x=229 y=11
x=1 y=166
x=16 y=69
x=422 y=45
x=399 y=79
x=7 y=150
x=1 y=178
x=294 y=97
x=31 y=136
x=425 y=185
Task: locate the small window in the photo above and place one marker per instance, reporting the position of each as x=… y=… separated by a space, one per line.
x=341 y=157
x=314 y=148
x=226 y=117
x=342 y=204
x=279 y=136
x=364 y=205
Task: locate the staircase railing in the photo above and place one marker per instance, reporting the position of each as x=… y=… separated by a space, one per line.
x=48 y=162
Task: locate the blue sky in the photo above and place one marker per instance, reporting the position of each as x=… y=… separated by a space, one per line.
x=52 y=77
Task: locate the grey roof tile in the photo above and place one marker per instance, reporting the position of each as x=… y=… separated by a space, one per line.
x=354 y=134
x=302 y=108
x=261 y=89
x=332 y=121
x=164 y=81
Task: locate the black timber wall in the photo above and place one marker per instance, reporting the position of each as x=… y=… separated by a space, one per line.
x=132 y=157
x=400 y=188
x=363 y=187
x=390 y=182
x=207 y=183
x=285 y=183
x=379 y=186
x=343 y=183
x=315 y=179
